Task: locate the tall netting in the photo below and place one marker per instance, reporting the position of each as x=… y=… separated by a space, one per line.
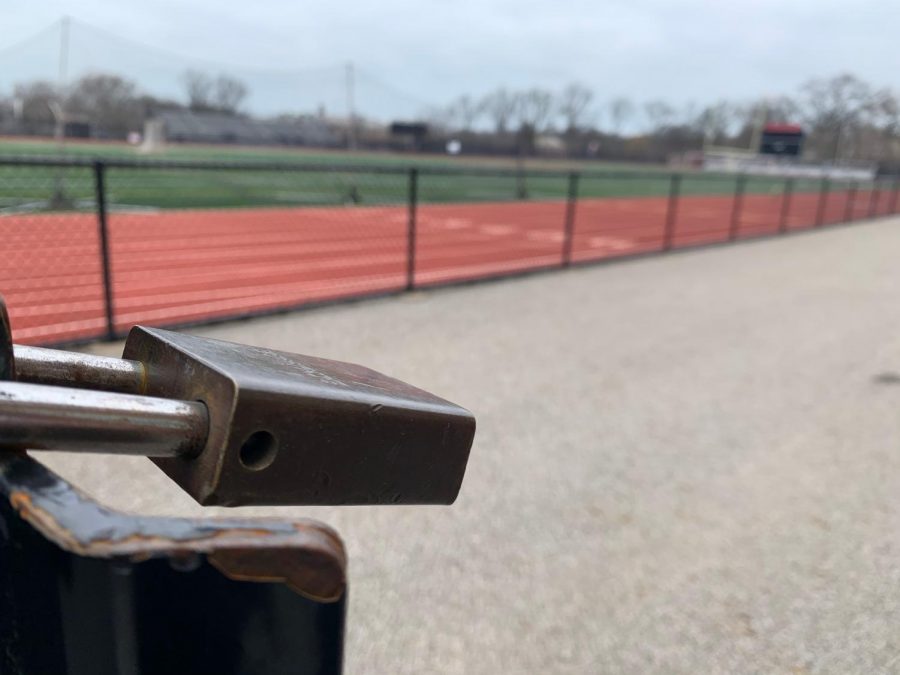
x=50 y=270
x=619 y=215
x=313 y=81
x=191 y=245
x=487 y=224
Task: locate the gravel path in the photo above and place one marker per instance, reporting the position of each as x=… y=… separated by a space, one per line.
x=684 y=464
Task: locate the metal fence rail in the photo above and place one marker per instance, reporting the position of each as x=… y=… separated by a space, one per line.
x=93 y=246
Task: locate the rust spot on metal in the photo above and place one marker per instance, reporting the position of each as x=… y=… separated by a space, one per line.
x=311 y=573
x=305 y=555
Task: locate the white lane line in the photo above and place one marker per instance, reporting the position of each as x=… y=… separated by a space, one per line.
x=611 y=243
x=498 y=230
x=545 y=235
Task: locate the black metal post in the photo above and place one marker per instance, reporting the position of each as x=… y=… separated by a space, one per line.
x=873 y=200
x=521 y=183
x=569 y=224
x=851 y=202
x=894 y=192
x=411 y=229
x=100 y=185
x=786 y=204
x=672 y=212
x=739 y=187
x=823 y=200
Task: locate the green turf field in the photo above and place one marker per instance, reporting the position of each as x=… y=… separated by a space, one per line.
x=330 y=181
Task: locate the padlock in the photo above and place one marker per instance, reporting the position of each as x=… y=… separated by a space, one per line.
x=238 y=425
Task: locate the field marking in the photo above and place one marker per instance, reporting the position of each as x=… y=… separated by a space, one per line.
x=449 y=223
x=498 y=230
x=548 y=236
x=612 y=243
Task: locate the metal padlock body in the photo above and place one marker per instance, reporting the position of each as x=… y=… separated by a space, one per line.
x=292 y=429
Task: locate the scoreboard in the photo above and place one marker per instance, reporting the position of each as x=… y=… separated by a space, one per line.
x=782 y=139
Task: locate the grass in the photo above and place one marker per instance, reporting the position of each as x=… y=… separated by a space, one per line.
x=330 y=182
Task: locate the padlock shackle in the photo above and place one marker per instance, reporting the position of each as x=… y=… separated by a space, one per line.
x=42 y=417
x=59 y=368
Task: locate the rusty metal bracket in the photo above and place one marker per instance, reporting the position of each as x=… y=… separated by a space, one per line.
x=88 y=590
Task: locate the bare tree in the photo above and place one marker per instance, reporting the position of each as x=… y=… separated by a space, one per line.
x=230 y=92
x=108 y=101
x=535 y=109
x=500 y=106
x=223 y=93
x=716 y=121
x=573 y=104
x=462 y=113
x=34 y=101
x=620 y=111
x=782 y=109
x=199 y=87
x=7 y=107
x=882 y=115
x=834 y=109
x=883 y=111
x=659 y=115
x=439 y=118
x=469 y=112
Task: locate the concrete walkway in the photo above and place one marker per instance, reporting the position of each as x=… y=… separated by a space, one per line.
x=684 y=464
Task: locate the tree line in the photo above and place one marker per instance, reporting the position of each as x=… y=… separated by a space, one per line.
x=112 y=104
x=844 y=117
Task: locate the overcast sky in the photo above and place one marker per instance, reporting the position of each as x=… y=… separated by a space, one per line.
x=688 y=51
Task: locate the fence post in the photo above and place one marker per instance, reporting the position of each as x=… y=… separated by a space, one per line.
x=413 y=196
x=736 y=204
x=823 y=200
x=672 y=211
x=893 y=208
x=786 y=205
x=100 y=186
x=851 y=202
x=569 y=224
x=873 y=200
x=521 y=183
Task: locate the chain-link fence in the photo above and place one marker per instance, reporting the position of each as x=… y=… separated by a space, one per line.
x=617 y=215
x=473 y=226
x=93 y=247
x=193 y=245
x=51 y=268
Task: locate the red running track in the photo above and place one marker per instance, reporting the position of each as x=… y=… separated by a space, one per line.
x=178 y=266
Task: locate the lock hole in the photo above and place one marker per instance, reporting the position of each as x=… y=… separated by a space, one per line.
x=258 y=451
